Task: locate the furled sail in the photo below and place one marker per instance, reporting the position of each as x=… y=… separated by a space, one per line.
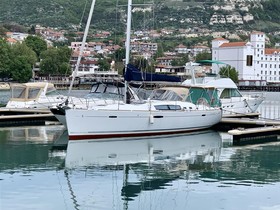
x=134 y=74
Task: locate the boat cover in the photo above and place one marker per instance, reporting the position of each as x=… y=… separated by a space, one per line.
x=134 y=74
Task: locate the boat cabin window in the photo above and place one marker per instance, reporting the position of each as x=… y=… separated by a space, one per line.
x=230 y=92
x=168 y=107
x=166 y=95
x=18 y=92
x=33 y=93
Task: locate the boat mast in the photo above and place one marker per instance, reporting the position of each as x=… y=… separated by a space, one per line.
x=82 y=47
x=127 y=44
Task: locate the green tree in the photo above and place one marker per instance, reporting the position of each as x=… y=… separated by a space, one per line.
x=55 y=61
x=230 y=72
x=141 y=63
x=32 y=30
x=37 y=44
x=181 y=61
x=5 y=51
x=119 y=55
x=3 y=31
x=21 y=69
x=22 y=61
x=103 y=64
x=203 y=56
x=159 y=52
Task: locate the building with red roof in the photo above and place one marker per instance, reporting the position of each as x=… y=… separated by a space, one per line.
x=252 y=60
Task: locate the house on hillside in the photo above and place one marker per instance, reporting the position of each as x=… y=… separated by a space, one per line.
x=16 y=36
x=166 y=61
x=174 y=70
x=200 y=49
x=181 y=49
x=11 y=41
x=140 y=47
x=86 y=67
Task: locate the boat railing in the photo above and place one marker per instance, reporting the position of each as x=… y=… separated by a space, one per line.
x=89 y=102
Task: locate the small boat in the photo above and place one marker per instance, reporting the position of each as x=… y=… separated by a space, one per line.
x=34 y=95
x=232 y=101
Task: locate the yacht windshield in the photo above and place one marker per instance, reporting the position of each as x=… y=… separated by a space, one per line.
x=106 y=91
x=230 y=92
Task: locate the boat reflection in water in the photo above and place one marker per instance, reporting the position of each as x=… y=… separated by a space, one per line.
x=147 y=164
x=28 y=147
x=34 y=134
x=204 y=146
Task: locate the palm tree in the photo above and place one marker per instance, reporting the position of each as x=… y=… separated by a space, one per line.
x=230 y=72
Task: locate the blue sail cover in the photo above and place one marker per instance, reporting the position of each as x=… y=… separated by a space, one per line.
x=134 y=74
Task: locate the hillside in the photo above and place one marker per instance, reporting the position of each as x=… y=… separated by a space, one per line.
x=109 y=14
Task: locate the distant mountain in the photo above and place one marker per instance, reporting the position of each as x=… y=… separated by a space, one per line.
x=110 y=14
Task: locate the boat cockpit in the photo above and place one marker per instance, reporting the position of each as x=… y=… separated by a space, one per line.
x=111 y=90
x=195 y=95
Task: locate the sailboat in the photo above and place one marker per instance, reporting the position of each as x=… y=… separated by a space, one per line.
x=142 y=118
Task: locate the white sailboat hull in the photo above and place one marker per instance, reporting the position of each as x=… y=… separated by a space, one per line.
x=91 y=124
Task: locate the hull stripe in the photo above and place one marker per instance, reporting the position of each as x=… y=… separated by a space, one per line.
x=118 y=135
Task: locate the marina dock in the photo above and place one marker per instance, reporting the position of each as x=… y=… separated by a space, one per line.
x=228 y=123
x=245 y=129
x=249 y=128
x=20 y=117
x=243 y=136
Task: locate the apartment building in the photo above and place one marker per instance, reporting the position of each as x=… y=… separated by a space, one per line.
x=252 y=59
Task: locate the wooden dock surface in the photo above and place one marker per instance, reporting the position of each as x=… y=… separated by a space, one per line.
x=240 y=131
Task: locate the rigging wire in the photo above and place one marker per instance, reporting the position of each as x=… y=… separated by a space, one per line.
x=78 y=29
x=83 y=14
x=81 y=50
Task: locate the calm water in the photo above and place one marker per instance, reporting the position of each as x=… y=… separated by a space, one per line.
x=196 y=171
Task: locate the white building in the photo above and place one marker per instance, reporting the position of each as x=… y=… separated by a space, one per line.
x=182 y=49
x=19 y=37
x=140 y=47
x=251 y=59
x=200 y=49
